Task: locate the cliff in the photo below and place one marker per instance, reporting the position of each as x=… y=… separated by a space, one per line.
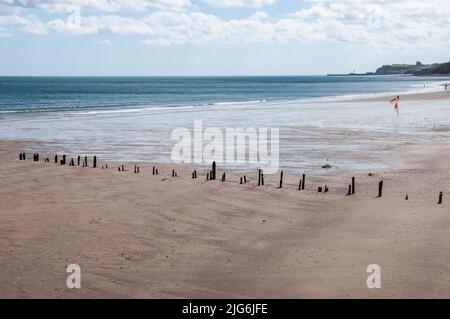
x=414 y=69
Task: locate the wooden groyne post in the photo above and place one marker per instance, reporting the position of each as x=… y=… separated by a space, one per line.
x=259 y=177
x=281 y=179
x=95 y=162
x=213 y=171
x=353 y=185
x=380 y=189
x=441 y=195
x=303 y=181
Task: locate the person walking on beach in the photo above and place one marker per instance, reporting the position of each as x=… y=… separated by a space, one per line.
x=394 y=102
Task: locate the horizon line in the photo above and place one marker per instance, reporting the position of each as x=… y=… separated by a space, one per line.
x=187 y=75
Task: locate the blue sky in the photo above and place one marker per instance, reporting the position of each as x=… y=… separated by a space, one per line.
x=218 y=37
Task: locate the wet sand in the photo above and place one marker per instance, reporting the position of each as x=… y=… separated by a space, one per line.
x=426 y=96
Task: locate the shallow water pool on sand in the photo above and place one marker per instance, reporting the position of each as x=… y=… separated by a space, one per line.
x=349 y=135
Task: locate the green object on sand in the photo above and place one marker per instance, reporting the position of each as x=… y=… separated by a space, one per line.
x=327 y=166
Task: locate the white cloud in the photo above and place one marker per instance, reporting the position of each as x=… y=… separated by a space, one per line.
x=240 y=3
x=379 y=24
x=384 y=24
x=29 y=24
x=97 y=5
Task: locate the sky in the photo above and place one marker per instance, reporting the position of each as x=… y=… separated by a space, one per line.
x=219 y=37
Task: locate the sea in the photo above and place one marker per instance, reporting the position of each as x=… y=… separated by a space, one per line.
x=320 y=118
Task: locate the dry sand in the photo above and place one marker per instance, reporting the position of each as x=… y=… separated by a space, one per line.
x=138 y=235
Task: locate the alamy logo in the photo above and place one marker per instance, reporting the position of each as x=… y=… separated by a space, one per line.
x=374 y=279
x=74 y=279
x=258 y=146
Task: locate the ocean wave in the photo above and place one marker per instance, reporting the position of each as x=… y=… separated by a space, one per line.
x=105 y=109
x=124 y=109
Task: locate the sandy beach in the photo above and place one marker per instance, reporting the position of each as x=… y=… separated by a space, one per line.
x=145 y=236
x=325 y=125
x=427 y=96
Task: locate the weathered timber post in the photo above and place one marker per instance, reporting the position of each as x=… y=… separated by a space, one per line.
x=213 y=171
x=380 y=189
x=281 y=179
x=259 y=177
